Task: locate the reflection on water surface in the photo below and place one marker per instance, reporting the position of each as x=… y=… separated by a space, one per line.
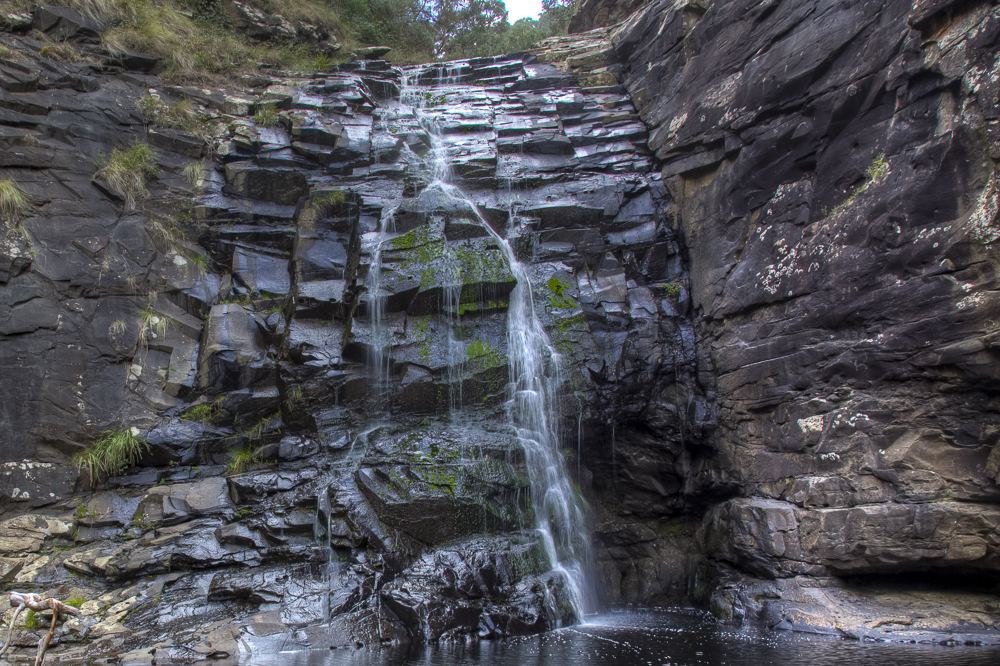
x=672 y=637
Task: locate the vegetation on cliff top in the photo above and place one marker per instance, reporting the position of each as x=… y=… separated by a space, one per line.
x=199 y=39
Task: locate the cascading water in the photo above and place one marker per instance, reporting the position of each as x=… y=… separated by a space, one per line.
x=376 y=301
x=533 y=391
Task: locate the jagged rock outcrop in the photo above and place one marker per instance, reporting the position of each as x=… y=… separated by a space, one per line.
x=833 y=168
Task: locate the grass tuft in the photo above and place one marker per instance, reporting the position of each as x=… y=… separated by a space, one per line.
x=266 y=116
x=192 y=173
x=62 y=51
x=114 y=451
x=13 y=202
x=151 y=323
x=127 y=171
x=206 y=412
x=242 y=459
x=117 y=327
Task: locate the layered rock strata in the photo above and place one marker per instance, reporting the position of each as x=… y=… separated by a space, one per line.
x=288 y=290
x=833 y=168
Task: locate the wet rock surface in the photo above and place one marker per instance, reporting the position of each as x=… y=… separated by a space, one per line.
x=312 y=341
x=772 y=314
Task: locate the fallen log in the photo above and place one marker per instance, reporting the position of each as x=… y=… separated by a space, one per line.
x=36 y=603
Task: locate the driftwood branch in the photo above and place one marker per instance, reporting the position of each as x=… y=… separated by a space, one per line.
x=37 y=604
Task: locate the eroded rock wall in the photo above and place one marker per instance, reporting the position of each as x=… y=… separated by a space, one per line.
x=834 y=170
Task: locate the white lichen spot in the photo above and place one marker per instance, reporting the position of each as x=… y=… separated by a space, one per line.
x=811 y=424
x=983 y=216
x=971 y=301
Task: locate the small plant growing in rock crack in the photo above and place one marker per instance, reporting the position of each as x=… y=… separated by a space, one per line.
x=30 y=621
x=63 y=51
x=114 y=451
x=266 y=116
x=293 y=397
x=202 y=262
x=331 y=198
x=127 y=171
x=878 y=169
x=242 y=459
x=206 y=412
x=5 y=52
x=180 y=115
x=257 y=430
x=192 y=173
x=117 y=327
x=13 y=203
x=243 y=513
x=151 y=323
x=75 y=602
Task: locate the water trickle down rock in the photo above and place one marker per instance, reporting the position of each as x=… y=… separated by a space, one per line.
x=426 y=501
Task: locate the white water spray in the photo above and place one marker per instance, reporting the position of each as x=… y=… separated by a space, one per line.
x=533 y=406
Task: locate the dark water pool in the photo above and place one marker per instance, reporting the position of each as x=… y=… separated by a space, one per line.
x=651 y=638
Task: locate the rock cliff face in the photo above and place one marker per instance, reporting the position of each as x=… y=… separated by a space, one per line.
x=303 y=312
x=771 y=306
x=833 y=167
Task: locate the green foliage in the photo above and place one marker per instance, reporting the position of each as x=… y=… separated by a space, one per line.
x=243 y=513
x=484 y=355
x=266 y=116
x=202 y=262
x=331 y=198
x=180 y=115
x=75 y=602
x=875 y=173
x=127 y=171
x=293 y=397
x=206 y=412
x=257 y=430
x=196 y=39
x=114 y=451
x=30 y=621
x=878 y=169
x=5 y=52
x=558 y=296
x=242 y=459
x=13 y=202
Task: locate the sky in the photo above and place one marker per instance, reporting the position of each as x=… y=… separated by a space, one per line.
x=517 y=9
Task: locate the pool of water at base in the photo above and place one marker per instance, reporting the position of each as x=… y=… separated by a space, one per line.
x=662 y=637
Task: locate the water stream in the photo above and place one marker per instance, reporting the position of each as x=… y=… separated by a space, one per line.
x=535 y=382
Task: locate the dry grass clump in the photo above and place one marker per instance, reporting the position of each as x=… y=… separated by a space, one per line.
x=195 y=46
x=127 y=170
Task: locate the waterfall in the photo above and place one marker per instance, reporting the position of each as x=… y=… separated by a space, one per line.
x=533 y=406
x=381 y=342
